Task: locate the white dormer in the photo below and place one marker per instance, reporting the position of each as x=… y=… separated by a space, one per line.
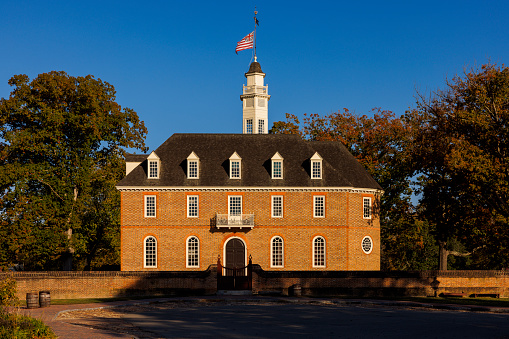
x=316 y=166
x=153 y=166
x=277 y=166
x=235 y=166
x=193 y=166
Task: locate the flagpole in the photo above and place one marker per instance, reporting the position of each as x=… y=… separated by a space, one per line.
x=255 y=12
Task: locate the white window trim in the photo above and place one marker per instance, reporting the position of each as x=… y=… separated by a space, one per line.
x=272 y=205
x=314 y=206
x=276 y=158
x=145 y=252
x=235 y=158
x=316 y=158
x=187 y=252
x=145 y=207
x=282 y=252
x=193 y=158
x=362 y=243
x=364 y=199
x=229 y=202
x=252 y=127
x=153 y=158
x=261 y=121
x=324 y=252
x=197 y=206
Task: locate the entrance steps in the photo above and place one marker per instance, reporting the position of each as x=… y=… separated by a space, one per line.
x=234 y=292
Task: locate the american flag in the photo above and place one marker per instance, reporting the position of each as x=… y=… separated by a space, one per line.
x=245 y=43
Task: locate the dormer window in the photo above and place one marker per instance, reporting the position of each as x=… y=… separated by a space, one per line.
x=277 y=166
x=235 y=166
x=153 y=166
x=316 y=166
x=193 y=166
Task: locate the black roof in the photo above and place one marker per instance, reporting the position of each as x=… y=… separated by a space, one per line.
x=340 y=168
x=255 y=67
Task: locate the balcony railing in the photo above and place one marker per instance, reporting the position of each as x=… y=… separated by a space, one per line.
x=255 y=89
x=240 y=221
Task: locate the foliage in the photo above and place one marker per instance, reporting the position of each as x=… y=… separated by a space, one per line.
x=63 y=139
x=8 y=293
x=462 y=150
x=23 y=327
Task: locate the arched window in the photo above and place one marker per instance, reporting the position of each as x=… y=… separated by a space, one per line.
x=276 y=252
x=150 y=252
x=193 y=252
x=318 y=252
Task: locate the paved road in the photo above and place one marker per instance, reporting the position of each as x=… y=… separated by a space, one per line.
x=316 y=321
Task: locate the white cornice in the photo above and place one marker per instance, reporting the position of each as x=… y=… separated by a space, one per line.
x=246 y=189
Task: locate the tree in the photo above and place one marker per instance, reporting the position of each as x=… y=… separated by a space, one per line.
x=63 y=139
x=463 y=148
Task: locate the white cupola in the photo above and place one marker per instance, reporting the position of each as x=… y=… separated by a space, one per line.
x=255 y=101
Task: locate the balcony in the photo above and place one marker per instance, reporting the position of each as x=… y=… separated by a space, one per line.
x=255 y=89
x=237 y=221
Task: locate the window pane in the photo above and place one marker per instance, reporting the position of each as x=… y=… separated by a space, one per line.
x=277 y=206
x=150 y=206
x=277 y=170
x=316 y=170
x=235 y=206
x=150 y=252
x=249 y=126
x=319 y=252
x=235 y=169
x=367 y=208
x=319 y=206
x=152 y=169
x=193 y=254
x=192 y=206
x=261 y=126
x=193 y=169
x=277 y=252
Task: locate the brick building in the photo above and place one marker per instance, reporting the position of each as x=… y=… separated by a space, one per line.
x=288 y=203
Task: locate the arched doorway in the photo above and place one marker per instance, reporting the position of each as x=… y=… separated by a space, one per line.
x=235 y=253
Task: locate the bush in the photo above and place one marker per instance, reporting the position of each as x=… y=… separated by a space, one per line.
x=23 y=327
x=8 y=293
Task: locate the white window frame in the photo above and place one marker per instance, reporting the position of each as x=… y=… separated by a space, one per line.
x=277 y=159
x=230 y=197
x=315 y=254
x=145 y=199
x=153 y=159
x=189 y=198
x=317 y=160
x=193 y=159
x=315 y=206
x=234 y=159
x=371 y=243
x=366 y=208
x=197 y=254
x=145 y=252
x=249 y=126
x=273 y=206
x=272 y=254
x=261 y=123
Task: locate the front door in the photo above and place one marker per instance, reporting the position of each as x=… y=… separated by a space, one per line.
x=235 y=254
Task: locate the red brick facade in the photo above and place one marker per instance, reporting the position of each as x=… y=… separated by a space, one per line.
x=343 y=228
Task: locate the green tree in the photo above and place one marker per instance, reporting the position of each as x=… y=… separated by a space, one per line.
x=62 y=141
x=462 y=150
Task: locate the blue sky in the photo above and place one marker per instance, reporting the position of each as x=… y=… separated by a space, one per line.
x=174 y=62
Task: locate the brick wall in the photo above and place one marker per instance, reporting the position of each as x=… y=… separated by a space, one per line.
x=63 y=285
x=343 y=229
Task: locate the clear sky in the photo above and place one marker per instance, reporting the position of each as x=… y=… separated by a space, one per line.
x=174 y=62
